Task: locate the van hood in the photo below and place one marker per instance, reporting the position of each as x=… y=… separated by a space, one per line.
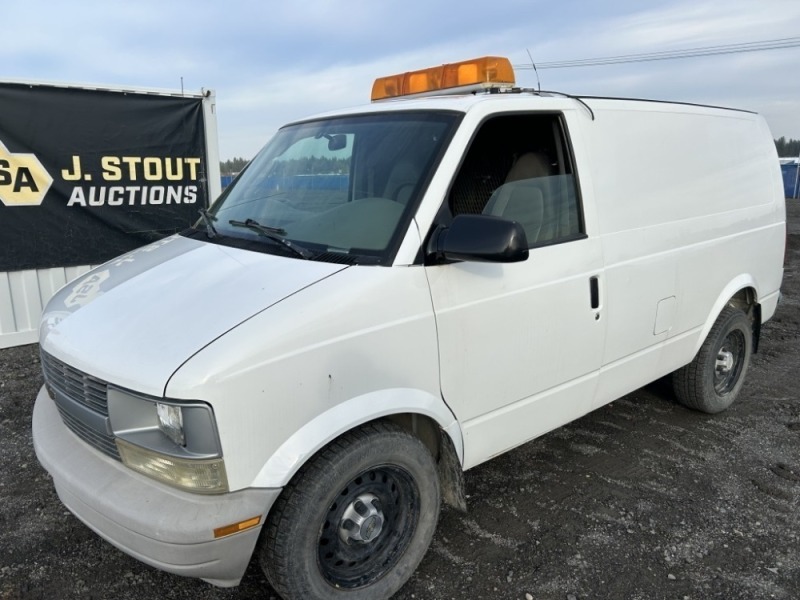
x=134 y=320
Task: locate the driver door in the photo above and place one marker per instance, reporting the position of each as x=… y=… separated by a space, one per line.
x=520 y=343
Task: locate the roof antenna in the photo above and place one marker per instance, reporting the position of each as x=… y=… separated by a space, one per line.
x=182 y=94
x=533 y=64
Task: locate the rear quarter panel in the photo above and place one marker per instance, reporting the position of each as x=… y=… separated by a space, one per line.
x=689 y=208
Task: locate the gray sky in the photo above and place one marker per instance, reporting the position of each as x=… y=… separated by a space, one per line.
x=272 y=62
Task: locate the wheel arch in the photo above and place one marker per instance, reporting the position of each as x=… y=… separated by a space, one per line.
x=421 y=413
x=741 y=293
x=449 y=461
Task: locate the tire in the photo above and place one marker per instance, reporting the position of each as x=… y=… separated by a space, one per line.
x=712 y=381
x=356 y=520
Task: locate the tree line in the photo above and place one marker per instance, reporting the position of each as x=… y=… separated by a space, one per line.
x=232 y=166
x=311 y=165
x=294 y=166
x=787 y=148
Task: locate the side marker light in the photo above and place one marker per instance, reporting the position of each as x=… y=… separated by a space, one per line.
x=236 y=527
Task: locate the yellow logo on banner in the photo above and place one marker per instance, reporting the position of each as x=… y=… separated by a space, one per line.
x=23 y=179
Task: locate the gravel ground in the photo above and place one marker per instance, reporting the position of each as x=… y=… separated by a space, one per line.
x=642 y=499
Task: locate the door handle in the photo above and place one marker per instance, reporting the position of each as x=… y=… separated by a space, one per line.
x=594 y=292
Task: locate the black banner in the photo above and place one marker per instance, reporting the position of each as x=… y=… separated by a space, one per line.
x=86 y=175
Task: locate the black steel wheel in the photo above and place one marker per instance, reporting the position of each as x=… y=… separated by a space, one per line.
x=729 y=362
x=356 y=520
x=712 y=381
x=368 y=527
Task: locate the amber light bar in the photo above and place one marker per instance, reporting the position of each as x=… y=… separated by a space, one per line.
x=486 y=71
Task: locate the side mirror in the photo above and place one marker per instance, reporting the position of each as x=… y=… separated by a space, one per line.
x=481 y=238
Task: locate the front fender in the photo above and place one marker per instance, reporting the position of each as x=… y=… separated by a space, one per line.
x=327 y=426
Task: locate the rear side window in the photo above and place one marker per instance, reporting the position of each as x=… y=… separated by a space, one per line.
x=519 y=167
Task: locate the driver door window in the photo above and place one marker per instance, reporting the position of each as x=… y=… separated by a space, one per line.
x=519 y=168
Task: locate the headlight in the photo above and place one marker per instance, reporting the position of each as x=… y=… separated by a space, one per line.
x=174 y=442
x=199 y=476
x=170 y=421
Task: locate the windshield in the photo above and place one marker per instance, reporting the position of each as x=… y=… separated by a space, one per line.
x=342 y=189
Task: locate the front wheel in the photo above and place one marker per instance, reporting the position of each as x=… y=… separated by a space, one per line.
x=356 y=520
x=712 y=381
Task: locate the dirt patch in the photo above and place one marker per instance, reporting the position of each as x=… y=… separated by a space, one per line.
x=642 y=499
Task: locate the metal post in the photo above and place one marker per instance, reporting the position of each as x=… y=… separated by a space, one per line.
x=796 y=177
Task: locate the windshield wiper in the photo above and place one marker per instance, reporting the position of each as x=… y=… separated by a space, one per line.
x=211 y=231
x=256 y=226
x=274 y=234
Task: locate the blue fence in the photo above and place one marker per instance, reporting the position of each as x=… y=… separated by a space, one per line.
x=790 y=186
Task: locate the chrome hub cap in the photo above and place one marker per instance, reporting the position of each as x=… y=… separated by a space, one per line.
x=729 y=363
x=362 y=521
x=725 y=361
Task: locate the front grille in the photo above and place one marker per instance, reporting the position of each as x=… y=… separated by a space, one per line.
x=101 y=441
x=77 y=387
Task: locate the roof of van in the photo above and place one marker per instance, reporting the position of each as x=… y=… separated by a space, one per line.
x=513 y=100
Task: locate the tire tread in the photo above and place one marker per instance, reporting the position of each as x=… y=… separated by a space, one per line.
x=274 y=553
x=688 y=382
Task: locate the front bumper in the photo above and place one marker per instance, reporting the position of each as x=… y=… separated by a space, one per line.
x=163 y=527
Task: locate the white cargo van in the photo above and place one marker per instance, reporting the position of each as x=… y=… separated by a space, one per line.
x=390 y=295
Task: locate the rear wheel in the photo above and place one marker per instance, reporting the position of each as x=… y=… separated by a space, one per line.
x=712 y=381
x=356 y=521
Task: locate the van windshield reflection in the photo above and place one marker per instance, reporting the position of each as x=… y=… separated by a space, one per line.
x=345 y=186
